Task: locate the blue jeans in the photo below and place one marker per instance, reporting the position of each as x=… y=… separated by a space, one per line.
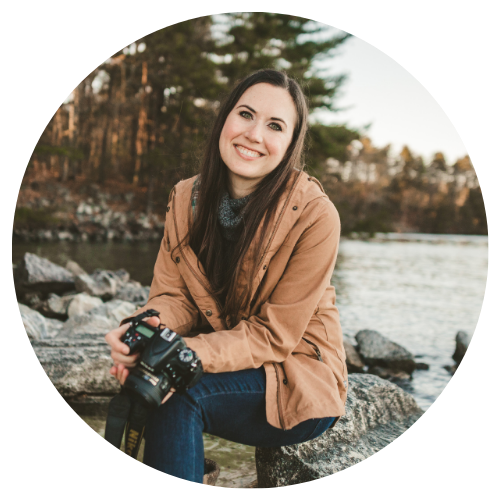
x=228 y=405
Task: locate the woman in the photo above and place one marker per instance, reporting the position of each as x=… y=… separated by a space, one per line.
x=243 y=274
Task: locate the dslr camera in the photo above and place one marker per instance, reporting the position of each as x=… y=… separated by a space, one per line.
x=165 y=362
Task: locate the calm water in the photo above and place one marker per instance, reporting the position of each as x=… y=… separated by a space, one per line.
x=418 y=294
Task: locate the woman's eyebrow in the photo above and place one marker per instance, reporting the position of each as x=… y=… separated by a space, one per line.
x=253 y=111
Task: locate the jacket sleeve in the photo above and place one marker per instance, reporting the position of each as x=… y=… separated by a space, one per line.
x=169 y=294
x=273 y=333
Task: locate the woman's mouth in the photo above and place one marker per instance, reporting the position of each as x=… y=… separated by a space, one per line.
x=247 y=152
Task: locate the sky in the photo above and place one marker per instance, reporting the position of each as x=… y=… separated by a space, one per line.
x=380 y=91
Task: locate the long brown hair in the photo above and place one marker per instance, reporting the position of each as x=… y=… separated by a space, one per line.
x=205 y=237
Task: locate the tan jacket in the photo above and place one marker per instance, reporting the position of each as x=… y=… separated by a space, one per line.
x=291 y=326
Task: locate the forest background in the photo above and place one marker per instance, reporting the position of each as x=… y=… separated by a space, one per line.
x=136 y=125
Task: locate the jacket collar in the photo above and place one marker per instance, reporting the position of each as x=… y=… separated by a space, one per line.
x=301 y=190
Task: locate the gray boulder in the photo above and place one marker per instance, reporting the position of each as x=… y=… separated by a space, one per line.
x=37 y=327
x=354 y=362
x=83 y=303
x=377 y=350
x=77 y=367
x=35 y=273
x=377 y=412
x=78 y=360
x=34 y=323
x=55 y=306
x=97 y=322
x=121 y=276
x=101 y=283
x=134 y=292
x=54 y=326
x=462 y=341
x=104 y=286
x=389 y=373
x=74 y=268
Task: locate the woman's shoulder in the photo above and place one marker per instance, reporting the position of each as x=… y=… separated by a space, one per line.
x=314 y=197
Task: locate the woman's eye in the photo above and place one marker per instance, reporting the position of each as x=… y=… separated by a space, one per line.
x=276 y=127
x=246 y=114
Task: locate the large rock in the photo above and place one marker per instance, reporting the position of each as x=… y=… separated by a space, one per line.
x=134 y=292
x=78 y=360
x=104 y=286
x=54 y=326
x=353 y=361
x=77 y=367
x=376 y=350
x=389 y=373
x=462 y=341
x=97 y=322
x=34 y=323
x=74 y=268
x=377 y=412
x=37 y=327
x=101 y=283
x=82 y=303
x=55 y=306
x=35 y=273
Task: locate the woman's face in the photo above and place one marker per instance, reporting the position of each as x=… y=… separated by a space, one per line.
x=256 y=135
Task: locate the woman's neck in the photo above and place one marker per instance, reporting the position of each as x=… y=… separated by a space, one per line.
x=239 y=187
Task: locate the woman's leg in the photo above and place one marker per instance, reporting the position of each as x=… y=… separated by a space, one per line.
x=229 y=405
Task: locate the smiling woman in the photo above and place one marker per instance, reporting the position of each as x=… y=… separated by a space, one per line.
x=256 y=135
x=243 y=274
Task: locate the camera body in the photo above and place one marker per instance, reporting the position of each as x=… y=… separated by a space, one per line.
x=165 y=362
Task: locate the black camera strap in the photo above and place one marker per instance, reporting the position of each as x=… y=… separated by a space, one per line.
x=126 y=416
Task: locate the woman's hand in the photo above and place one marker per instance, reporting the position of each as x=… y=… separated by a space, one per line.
x=120 y=351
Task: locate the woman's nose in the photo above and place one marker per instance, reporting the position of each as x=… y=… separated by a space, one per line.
x=254 y=132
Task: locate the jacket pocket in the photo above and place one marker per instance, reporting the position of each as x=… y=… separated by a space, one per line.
x=315 y=347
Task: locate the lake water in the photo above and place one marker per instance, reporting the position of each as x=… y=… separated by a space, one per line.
x=418 y=293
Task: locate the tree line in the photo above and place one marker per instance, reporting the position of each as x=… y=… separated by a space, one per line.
x=140 y=119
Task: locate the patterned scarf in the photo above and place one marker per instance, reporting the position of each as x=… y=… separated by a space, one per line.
x=230 y=215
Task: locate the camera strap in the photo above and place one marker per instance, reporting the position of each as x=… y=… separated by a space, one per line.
x=129 y=417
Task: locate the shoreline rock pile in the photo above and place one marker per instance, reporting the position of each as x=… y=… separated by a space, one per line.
x=56 y=214
x=59 y=293
x=66 y=308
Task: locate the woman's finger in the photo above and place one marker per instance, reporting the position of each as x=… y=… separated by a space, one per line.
x=128 y=361
x=113 y=339
x=168 y=396
x=124 y=376
x=153 y=321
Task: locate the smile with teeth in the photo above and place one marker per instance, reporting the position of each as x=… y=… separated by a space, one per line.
x=248 y=152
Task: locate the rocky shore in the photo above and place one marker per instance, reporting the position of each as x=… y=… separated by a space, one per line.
x=53 y=212
x=66 y=313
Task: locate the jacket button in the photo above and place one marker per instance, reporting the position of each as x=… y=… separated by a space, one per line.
x=177 y=259
x=295 y=208
x=168 y=209
x=265 y=267
x=208 y=312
